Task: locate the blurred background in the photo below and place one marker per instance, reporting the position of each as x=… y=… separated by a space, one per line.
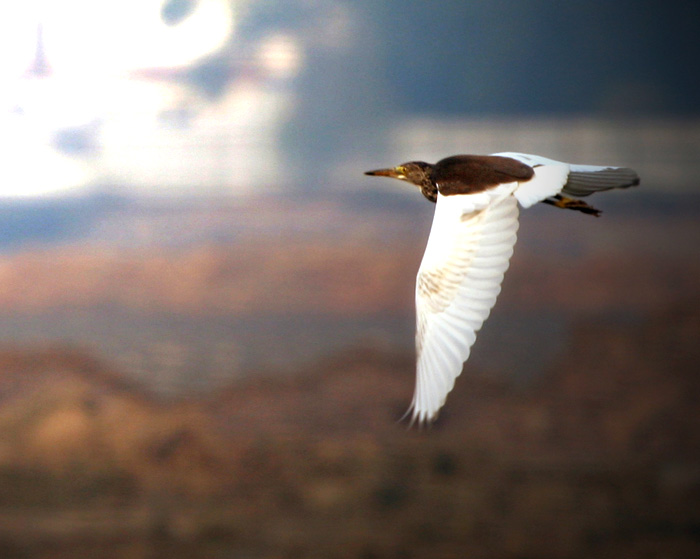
x=206 y=310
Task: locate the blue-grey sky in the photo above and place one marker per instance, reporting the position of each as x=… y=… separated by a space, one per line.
x=620 y=59
x=539 y=56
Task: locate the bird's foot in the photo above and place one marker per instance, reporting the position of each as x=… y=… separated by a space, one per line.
x=572 y=204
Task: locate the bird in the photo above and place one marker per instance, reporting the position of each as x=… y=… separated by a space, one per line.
x=471 y=240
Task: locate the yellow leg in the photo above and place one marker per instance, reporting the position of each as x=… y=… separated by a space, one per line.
x=572 y=204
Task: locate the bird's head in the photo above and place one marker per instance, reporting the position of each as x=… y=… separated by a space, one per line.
x=415 y=172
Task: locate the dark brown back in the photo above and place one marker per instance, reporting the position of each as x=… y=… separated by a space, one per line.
x=468 y=174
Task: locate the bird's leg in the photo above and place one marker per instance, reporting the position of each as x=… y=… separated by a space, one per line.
x=571 y=204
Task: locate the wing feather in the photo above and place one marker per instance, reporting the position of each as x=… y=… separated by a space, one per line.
x=548 y=181
x=468 y=251
x=582 y=179
x=587 y=179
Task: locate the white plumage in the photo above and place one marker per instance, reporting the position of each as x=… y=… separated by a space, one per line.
x=468 y=251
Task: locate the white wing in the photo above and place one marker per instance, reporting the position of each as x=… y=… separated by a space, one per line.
x=469 y=248
x=582 y=180
x=548 y=181
x=468 y=251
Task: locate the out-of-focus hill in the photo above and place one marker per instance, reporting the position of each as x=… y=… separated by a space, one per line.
x=600 y=457
x=282 y=334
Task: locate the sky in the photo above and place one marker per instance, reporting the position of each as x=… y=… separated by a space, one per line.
x=542 y=56
x=303 y=84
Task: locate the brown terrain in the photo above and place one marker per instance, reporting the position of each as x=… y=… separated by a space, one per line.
x=595 y=454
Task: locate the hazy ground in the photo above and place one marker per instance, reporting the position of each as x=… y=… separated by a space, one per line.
x=223 y=379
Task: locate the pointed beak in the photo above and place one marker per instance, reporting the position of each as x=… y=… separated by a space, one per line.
x=393 y=173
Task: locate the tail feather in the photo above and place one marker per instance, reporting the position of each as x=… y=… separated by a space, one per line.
x=587 y=179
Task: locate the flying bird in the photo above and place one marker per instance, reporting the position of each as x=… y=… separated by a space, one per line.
x=470 y=244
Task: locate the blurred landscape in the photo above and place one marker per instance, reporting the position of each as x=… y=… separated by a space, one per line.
x=206 y=310
x=228 y=383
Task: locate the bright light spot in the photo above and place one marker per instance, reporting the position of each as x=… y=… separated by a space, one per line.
x=90 y=47
x=114 y=37
x=31 y=167
x=18 y=28
x=280 y=56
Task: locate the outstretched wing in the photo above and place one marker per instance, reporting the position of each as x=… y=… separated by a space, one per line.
x=468 y=251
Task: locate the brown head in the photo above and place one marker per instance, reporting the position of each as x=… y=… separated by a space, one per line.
x=415 y=172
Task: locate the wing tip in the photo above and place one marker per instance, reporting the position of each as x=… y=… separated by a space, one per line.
x=419 y=419
x=422 y=418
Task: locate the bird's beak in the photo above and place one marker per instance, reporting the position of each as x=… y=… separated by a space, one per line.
x=395 y=173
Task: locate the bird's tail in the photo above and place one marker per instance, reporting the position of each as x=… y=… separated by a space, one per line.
x=587 y=179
